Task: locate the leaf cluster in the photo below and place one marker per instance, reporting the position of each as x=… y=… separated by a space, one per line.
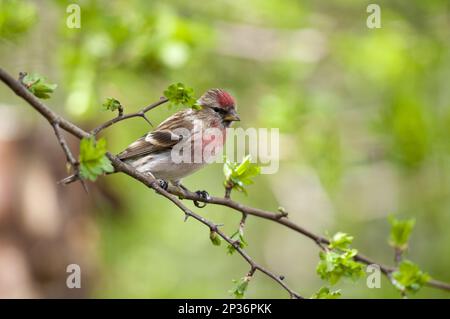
x=180 y=95
x=38 y=85
x=92 y=159
x=337 y=261
x=237 y=176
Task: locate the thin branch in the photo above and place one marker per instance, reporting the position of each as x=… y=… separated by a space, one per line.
x=275 y=217
x=249 y=211
x=62 y=141
x=51 y=116
x=242 y=223
x=438 y=284
x=69 y=156
x=121 y=117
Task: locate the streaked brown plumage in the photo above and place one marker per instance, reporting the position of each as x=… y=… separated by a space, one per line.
x=152 y=152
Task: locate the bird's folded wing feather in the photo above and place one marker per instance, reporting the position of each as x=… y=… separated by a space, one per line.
x=156 y=141
x=162 y=138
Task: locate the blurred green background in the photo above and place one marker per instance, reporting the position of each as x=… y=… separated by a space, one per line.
x=364 y=117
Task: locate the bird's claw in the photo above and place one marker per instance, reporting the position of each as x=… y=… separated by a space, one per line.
x=203 y=195
x=163 y=184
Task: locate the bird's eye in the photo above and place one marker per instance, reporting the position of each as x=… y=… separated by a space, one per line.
x=219 y=110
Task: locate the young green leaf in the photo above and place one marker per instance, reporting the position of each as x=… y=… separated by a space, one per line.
x=240 y=241
x=338 y=261
x=37 y=85
x=326 y=293
x=241 y=168
x=215 y=238
x=340 y=241
x=179 y=94
x=237 y=176
x=335 y=265
x=240 y=288
x=400 y=232
x=230 y=249
x=93 y=160
x=409 y=277
x=111 y=104
x=228 y=169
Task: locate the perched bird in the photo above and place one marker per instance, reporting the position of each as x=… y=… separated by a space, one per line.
x=184 y=142
x=190 y=133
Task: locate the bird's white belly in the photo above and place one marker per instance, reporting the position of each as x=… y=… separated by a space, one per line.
x=162 y=167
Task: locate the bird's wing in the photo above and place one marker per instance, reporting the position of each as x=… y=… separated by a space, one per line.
x=161 y=139
x=150 y=143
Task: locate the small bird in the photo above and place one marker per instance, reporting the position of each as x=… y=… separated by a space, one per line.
x=153 y=152
x=185 y=130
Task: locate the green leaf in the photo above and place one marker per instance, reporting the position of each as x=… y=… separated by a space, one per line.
x=242 y=240
x=230 y=249
x=335 y=265
x=341 y=241
x=239 y=175
x=409 y=277
x=93 y=160
x=37 y=85
x=338 y=260
x=325 y=293
x=111 y=104
x=196 y=106
x=228 y=168
x=245 y=164
x=215 y=238
x=178 y=94
x=400 y=232
x=241 y=287
x=238 y=235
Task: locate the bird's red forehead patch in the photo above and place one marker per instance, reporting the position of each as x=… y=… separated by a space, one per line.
x=225 y=99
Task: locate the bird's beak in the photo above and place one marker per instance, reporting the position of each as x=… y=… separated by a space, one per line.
x=231 y=116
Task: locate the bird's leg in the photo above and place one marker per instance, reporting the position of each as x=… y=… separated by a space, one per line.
x=163 y=184
x=201 y=194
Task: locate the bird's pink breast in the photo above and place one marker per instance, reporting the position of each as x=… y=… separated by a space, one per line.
x=216 y=135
